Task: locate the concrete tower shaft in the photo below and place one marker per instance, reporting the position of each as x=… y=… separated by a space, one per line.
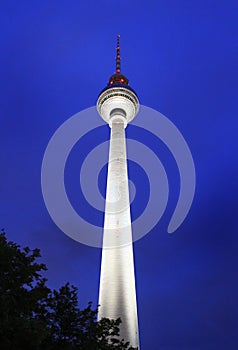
x=117 y=296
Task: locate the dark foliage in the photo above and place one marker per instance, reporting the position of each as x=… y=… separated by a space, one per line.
x=34 y=317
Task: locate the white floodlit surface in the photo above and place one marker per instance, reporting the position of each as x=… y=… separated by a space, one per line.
x=117 y=295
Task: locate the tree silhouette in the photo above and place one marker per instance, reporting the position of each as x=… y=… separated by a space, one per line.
x=34 y=317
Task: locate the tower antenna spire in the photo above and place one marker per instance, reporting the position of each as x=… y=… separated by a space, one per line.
x=117 y=78
x=118 y=57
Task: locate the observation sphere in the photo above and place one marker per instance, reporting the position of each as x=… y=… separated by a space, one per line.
x=118 y=101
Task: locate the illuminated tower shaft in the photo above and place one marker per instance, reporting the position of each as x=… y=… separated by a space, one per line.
x=118 y=104
x=117 y=296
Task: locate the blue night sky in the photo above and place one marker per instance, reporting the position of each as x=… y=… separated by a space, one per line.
x=181 y=59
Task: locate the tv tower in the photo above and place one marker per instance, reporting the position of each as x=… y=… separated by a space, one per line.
x=118 y=104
